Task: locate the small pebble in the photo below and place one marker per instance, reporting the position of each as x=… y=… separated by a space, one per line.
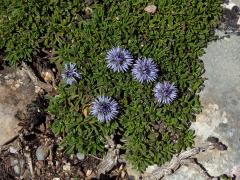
x=80 y=156
x=42 y=153
x=88 y=11
x=17 y=85
x=150 y=9
x=131 y=178
x=67 y=167
x=42 y=127
x=13 y=150
x=89 y=172
x=16 y=169
x=71 y=156
x=38 y=89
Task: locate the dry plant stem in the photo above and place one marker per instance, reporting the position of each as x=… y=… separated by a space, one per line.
x=175 y=163
x=110 y=160
x=51 y=155
x=30 y=165
x=35 y=80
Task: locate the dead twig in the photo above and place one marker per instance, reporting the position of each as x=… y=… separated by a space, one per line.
x=29 y=162
x=184 y=158
x=110 y=160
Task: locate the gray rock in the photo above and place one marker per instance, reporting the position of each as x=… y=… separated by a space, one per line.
x=16 y=91
x=80 y=156
x=13 y=150
x=42 y=152
x=17 y=165
x=220 y=119
x=9 y=128
x=16 y=169
x=237 y=2
x=185 y=173
x=67 y=167
x=221 y=101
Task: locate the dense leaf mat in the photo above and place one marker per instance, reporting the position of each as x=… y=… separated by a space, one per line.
x=82 y=33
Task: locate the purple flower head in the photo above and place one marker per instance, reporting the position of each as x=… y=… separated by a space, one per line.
x=119 y=59
x=104 y=108
x=165 y=92
x=145 y=70
x=70 y=73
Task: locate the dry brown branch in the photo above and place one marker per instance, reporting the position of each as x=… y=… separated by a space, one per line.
x=184 y=158
x=110 y=160
x=30 y=164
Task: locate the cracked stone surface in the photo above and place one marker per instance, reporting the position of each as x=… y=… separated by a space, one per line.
x=237 y=2
x=16 y=91
x=221 y=101
x=221 y=110
x=185 y=173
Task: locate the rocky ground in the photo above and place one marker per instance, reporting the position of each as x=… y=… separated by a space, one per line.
x=28 y=148
x=221 y=105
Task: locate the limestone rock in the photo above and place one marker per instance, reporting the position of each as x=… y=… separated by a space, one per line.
x=221 y=102
x=42 y=152
x=221 y=112
x=16 y=91
x=185 y=173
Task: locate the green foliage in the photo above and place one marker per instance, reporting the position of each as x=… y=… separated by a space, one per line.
x=174 y=37
x=225 y=177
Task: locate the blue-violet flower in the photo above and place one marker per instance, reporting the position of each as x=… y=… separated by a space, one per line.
x=165 y=93
x=145 y=70
x=104 y=108
x=119 y=59
x=70 y=73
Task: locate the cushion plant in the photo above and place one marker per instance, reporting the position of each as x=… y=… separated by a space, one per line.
x=132 y=74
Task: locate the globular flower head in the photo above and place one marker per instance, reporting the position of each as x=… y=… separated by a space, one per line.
x=145 y=70
x=104 y=108
x=165 y=93
x=119 y=59
x=70 y=73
